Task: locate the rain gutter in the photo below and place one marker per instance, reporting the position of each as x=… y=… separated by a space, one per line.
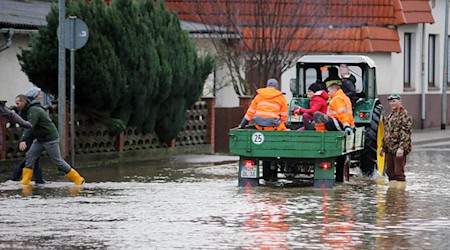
x=9 y=32
x=8 y=38
x=422 y=81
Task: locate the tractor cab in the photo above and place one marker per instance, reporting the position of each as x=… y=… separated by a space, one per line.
x=367 y=109
x=316 y=69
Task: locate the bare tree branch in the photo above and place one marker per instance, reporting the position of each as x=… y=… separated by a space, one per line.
x=260 y=39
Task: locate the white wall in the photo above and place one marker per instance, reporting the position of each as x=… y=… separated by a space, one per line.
x=387 y=73
x=419 y=82
x=218 y=81
x=437 y=29
x=417 y=79
x=12 y=79
x=224 y=91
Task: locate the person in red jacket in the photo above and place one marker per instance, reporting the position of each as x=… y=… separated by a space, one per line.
x=318 y=102
x=268 y=109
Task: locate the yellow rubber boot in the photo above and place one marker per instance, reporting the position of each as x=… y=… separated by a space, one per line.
x=401 y=185
x=320 y=127
x=27 y=190
x=74 y=176
x=393 y=184
x=27 y=174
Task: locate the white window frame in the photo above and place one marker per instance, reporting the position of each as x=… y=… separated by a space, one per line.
x=407 y=60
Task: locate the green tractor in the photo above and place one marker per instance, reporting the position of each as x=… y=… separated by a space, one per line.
x=368 y=111
x=323 y=157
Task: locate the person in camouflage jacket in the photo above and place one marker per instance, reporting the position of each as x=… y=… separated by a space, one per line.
x=397 y=140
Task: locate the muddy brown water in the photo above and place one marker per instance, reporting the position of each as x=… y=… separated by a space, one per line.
x=190 y=203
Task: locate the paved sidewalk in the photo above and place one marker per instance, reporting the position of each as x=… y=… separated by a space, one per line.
x=426 y=136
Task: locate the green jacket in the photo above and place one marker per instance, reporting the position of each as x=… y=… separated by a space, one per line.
x=43 y=128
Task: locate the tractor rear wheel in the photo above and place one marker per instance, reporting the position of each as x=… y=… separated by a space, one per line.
x=373 y=139
x=343 y=168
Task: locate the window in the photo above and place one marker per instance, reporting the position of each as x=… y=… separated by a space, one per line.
x=407 y=61
x=432 y=61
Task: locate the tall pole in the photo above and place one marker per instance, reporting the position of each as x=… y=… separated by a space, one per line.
x=62 y=78
x=72 y=94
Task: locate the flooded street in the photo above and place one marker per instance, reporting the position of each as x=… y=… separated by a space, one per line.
x=189 y=203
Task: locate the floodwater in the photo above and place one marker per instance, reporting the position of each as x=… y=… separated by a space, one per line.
x=189 y=203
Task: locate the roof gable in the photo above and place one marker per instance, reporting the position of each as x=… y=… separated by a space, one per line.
x=412 y=11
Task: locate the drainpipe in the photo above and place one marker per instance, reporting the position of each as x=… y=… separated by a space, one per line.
x=8 y=42
x=422 y=80
x=445 y=80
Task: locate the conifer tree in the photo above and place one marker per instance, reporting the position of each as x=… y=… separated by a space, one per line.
x=138 y=65
x=100 y=82
x=186 y=80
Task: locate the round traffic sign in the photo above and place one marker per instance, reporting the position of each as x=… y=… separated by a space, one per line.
x=76 y=33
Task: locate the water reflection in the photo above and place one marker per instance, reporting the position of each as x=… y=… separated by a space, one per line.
x=338 y=223
x=266 y=226
x=71 y=191
x=391 y=214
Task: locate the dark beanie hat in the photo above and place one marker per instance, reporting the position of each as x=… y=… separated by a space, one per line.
x=315 y=87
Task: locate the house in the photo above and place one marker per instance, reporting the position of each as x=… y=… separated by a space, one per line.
x=405 y=38
x=21 y=18
x=18 y=20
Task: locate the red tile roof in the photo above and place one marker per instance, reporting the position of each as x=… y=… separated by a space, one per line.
x=329 y=39
x=412 y=11
x=319 y=25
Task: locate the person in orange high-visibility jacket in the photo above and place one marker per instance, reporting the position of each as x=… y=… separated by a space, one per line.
x=268 y=109
x=339 y=115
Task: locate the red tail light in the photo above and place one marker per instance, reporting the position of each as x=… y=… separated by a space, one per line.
x=325 y=165
x=364 y=115
x=249 y=163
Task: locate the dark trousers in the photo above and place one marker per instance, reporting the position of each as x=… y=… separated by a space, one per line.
x=37 y=172
x=334 y=125
x=308 y=121
x=395 y=167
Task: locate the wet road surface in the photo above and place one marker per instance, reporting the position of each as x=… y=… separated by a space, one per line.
x=189 y=203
